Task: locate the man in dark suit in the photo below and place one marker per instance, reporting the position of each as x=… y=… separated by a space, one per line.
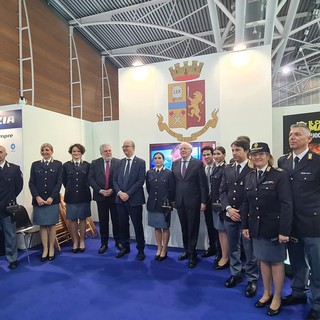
x=11 y=184
x=232 y=198
x=303 y=166
x=190 y=198
x=101 y=180
x=207 y=155
x=128 y=183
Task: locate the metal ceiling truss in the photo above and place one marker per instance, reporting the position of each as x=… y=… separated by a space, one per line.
x=160 y=30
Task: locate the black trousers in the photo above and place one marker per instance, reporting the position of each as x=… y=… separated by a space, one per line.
x=104 y=207
x=190 y=221
x=212 y=232
x=135 y=213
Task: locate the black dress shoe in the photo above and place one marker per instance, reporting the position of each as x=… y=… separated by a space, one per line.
x=291 y=300
x=218 y=267
x=251 y=289
x=13 y=265
x=103 y=249
x=118 y=245
x=75 y=250
x=208 y=253
x=51 y=258
x=233 y=281
x=192 y=261
x=272 y=312
x=141 y=256
x=184 y=256
x=260 y=304
x=43 y=259
x=122 y=252
x=161 y=258
x=313 y=315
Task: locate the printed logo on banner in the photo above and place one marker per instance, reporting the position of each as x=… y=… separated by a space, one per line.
x=10 y=119
x=186 y=102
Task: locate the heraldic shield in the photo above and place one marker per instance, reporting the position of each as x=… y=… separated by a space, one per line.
x=186 y=104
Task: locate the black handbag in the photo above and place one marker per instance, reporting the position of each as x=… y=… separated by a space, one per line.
x=13 y=208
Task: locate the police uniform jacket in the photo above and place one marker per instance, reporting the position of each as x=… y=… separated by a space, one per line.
x=75 y=181
x=45 y=180
x=305 y=184
x=160 y=187
x=216 y=178
x=11 y=184
x=267 y=208
x=232 y=187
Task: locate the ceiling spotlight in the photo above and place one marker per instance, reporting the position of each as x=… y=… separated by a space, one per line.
x=239 y=47
x=137 y=63
x=286 y=70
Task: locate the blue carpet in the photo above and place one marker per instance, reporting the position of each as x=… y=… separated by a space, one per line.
x=90 y=286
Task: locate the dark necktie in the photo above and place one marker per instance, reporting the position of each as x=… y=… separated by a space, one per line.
x=77 y=164
x=184 y=168
x=126 y=174
x=107 y=174
x=296 y=161
x=260 y=174
x=238 y=170
x=158 y=171
x=209 y=178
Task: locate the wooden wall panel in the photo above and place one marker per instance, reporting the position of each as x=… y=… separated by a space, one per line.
x=50 y=40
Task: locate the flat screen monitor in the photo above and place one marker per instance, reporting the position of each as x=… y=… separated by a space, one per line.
x=171 y=151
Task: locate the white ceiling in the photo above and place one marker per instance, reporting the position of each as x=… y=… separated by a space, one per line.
x=159 y=30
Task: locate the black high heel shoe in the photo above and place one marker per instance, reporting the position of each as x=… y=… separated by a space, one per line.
x=75 y=250
x=51 y=258
x=156 y=257
x=43 y=259
x=82 y=250
x=163 y=258
x=260 y=304
x=272 y=312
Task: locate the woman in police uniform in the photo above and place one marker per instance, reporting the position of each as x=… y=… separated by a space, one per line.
x=219 y=155
x=45 y=184
x=160 y=186
x=266 y=219
x=77 y=195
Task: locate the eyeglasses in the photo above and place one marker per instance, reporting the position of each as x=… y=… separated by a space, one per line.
x=125 y=147
x=184 y=149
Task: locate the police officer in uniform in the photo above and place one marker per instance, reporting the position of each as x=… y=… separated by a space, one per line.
x=11 y=184
x=232 y=196
x=303 y=166
x=266 y=219
x=45 y=184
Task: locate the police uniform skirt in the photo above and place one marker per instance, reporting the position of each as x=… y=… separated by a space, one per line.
x=78 y=210
x=159 y=220
x=46 y=215
x=267 y=251
x=217 y=221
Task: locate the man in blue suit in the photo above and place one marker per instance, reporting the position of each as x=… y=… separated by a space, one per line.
x=11 y=184
x=128 y=183
x=303 y=166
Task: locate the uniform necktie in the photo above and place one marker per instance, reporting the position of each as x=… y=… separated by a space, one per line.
x=296 y=161
x=107 y=174
x=77 y=164
x=260 y=173
x=238 y=170
x=209 y=178
x=184 y=168
x=47 y=162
